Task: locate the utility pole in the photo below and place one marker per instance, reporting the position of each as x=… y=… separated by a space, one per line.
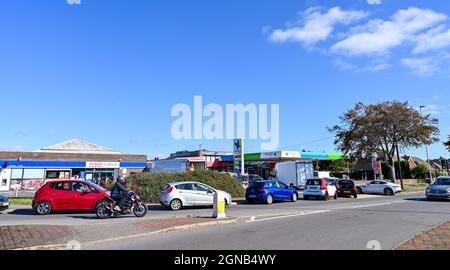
x=426 y=150
x=400 y=167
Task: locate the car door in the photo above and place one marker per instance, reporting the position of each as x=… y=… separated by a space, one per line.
x=84 y=198
x=283 y=191
x=62 y=195
x=204 y=194
x=372 y=187
x=188 y=193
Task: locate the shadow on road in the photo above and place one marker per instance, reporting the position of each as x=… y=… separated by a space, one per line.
x=425 y=200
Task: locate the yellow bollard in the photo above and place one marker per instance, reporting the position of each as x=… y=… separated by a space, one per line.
x=219 y=205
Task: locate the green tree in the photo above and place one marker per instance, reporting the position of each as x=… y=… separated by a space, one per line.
x=447 y=143
x=376 y=130
x=421 y=171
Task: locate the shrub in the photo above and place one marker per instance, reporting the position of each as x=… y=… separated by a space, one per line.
x=149 y=185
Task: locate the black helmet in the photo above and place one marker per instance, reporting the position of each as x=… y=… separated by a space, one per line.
x=121 y=180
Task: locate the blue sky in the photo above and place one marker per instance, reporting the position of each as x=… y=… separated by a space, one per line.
x=109 y=71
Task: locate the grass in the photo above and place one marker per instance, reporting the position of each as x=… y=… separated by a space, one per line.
x=414 y=186
x=21 y=201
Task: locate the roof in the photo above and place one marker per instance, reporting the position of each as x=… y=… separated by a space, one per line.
x=76 y=146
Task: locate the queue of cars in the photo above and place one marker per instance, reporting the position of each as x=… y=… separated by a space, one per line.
x=80 y=195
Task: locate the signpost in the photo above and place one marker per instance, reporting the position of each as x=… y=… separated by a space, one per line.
x=376 y=165
x=239 y=167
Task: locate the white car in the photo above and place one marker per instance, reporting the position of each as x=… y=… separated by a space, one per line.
x=178 y=195
x=324 y=188
x=379 y=187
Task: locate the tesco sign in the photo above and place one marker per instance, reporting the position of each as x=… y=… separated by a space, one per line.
x=102 y=165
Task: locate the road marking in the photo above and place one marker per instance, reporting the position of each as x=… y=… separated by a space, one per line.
x=369 y=205
x=252 y=218
x=289 y=216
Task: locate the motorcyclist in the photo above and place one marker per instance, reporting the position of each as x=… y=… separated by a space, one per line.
x=118 y=192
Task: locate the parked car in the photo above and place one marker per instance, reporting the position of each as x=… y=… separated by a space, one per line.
x=347 y=187
x=175 y=196
x=440 y=189
x=68 y=195
x=379 y=187
x=324 y=188
x=270 y=191
x=4 y=202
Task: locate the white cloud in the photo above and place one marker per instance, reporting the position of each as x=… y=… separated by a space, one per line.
x=374 y=2
x=380 y=36
x=422 y=66
x=316 y=26
x=434 y=39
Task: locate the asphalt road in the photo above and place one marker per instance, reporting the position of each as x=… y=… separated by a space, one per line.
x=342 y=224
x=373 y=223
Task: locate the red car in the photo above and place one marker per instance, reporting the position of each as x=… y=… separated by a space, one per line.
x=68 y=195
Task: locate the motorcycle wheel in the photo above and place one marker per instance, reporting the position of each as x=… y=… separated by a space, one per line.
x=103 y=212
x=140 y=210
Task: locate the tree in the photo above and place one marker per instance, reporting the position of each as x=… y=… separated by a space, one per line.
x=375 y=130
x=447 y=144
x=421 y=171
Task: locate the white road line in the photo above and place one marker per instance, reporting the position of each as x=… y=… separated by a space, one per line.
x=252 y=218
x=289 y=216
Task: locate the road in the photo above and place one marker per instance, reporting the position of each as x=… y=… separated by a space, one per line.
x=346 y=224
x=343 y=224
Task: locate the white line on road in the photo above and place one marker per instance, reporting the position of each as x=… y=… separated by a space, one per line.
x=289 y=216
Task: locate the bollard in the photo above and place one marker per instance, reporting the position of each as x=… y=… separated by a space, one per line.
x=219 y=205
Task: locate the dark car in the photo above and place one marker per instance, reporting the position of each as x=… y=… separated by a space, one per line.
x=4 y=202
x=347 y=187
x=270 y=191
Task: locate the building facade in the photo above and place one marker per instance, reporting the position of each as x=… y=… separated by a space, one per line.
x=74 y=159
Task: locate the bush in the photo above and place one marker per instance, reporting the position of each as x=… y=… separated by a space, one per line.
x=149 y=185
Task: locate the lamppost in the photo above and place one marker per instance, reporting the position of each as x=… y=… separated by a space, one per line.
x=426 y=148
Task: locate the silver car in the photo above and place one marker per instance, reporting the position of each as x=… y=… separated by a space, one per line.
x=440 y=189
x=379 y=187
x=178 y=195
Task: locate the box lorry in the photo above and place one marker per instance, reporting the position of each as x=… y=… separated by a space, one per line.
x=170 y=166
x=295 y=173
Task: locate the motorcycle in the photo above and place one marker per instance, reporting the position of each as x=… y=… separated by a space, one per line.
x=132 y=203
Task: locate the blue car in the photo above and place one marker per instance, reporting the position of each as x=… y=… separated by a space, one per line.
x=270 y=191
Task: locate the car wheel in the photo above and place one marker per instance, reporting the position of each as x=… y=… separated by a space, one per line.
x=44 y=208
x=359 y=190
x=269 y=199
x=326 y=197
x=355 y=196
x=335 y=196
x=294 y=197
x=176 y=205
x=388 y=192
x=102 y=202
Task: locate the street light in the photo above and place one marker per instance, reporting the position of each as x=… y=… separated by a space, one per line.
x=426 y=147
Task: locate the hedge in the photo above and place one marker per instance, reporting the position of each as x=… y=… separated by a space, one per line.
x=149 y=185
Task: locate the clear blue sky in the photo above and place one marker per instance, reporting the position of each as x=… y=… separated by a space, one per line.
x=109 y=71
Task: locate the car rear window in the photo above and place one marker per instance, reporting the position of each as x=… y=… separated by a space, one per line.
x=166 y=187
x=346 y=183
x=257 y=185
x=314 y=182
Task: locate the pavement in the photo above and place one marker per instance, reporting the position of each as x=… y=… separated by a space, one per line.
x=374 y=222
x=437 y=238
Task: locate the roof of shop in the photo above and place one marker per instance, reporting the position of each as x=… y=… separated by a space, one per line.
x=78 y=146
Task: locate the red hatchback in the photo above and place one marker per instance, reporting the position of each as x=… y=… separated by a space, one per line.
x=68 y=195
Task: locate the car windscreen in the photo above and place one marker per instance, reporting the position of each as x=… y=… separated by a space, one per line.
x=443 y=182
x=314 y=182
x=257 y=185
x=166 y=187
x=346 y=184
x=96 y=186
